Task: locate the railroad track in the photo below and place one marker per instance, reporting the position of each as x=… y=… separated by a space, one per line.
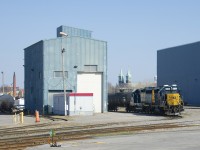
x=45 y=128
x=41 y=136
x=34 y=129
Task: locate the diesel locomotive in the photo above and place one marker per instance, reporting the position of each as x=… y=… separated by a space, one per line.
x=165 y=100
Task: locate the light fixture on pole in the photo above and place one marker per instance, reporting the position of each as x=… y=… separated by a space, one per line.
x=63 y=34
x=63 y=71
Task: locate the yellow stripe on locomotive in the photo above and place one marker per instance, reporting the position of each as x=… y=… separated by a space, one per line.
x=173 y=99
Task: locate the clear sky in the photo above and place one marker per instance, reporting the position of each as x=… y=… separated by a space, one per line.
x=134 y=30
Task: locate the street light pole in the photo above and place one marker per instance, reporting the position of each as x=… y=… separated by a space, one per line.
x=63 y=71
x=75 y=88
x=3 y=81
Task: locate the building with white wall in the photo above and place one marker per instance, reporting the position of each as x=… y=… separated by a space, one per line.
x=85 y=66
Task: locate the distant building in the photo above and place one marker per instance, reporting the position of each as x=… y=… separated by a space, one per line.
x=85 y=68
x=122 y=85
x=128 y=77
x=180 y=65
x=121 y=78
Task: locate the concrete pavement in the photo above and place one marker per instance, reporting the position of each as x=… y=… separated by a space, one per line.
x=187 y=139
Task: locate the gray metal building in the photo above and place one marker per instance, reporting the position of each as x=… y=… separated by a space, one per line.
x=181 y=65
x=85 y=68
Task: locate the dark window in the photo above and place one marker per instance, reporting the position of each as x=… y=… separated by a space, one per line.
x=58 y=74
x=90 y=68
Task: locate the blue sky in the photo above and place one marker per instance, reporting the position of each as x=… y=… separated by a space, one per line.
x=134 y=30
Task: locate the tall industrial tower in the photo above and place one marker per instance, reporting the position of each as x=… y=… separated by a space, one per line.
x=14 y=85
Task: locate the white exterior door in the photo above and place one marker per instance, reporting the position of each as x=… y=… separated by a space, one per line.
x=91 y=83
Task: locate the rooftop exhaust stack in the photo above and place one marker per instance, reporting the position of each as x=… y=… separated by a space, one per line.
x=14 y=85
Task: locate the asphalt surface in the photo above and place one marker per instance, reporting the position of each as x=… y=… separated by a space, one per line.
x=10 y=120
x=165 y=139
x=187 y=139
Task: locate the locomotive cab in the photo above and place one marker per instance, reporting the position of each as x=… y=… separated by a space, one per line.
x=170 y=100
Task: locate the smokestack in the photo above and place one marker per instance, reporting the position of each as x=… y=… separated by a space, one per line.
x=14 y=85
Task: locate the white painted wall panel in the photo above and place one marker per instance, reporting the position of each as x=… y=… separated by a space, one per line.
x=91 y=83
x=80 y=105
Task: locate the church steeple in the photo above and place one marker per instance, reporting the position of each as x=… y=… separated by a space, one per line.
x=121 y=78
x=128 y=77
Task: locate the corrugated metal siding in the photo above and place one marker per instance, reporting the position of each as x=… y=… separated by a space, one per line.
x=33 y=76
x=180 y=65
x=71 y=31
x=59 y=105
x=45 y=56
x=79 y=52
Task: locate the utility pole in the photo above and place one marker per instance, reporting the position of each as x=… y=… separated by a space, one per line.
x=75 y=87
x=3 y=81
x=63 y=71
x=14 y=85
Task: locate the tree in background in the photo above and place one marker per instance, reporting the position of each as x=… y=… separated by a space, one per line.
x=111 y=88
x=128 y=87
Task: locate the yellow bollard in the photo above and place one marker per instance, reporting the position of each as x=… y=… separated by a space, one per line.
x=14 y=118
x=17 y=118
x=21 y=117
